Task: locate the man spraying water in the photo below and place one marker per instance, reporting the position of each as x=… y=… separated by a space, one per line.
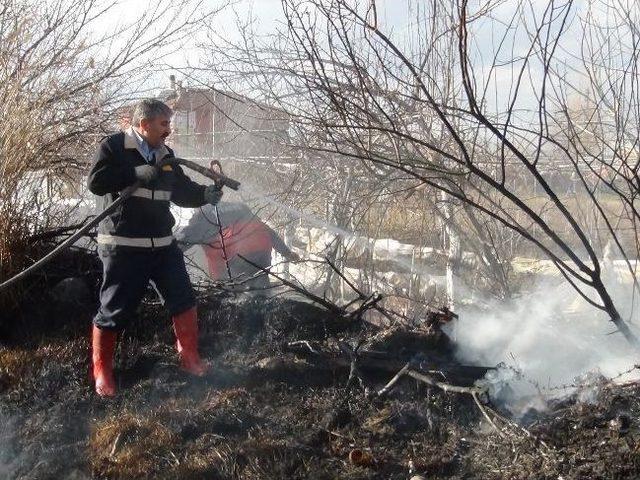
x=135 y=241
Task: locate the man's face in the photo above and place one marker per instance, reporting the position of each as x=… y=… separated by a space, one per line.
x=155 y=130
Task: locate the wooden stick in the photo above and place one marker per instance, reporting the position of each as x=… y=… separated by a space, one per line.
x=384 y=390
x=383 y=361
x=305 y=343
x=348 y=282
x=361 y=295
x=486 y=415
x=441 y=385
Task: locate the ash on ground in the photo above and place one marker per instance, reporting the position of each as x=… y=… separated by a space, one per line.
x=278 y=403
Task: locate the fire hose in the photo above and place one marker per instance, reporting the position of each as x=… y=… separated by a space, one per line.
x=219 y=179
x=212 y=166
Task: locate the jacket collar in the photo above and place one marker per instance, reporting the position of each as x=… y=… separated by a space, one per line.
x=130 y=143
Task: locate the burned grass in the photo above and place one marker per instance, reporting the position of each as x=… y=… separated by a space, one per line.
x=599 y=438
x=268 y=412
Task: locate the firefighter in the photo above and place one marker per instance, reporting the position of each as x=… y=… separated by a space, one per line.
x=243 y=234
x=135 y=242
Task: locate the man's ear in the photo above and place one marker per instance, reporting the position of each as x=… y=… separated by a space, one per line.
x=144 y=124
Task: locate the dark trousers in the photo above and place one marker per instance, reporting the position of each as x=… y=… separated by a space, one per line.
x=126 y=274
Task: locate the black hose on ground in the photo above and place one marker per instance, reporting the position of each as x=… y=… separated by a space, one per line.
x=126 y=193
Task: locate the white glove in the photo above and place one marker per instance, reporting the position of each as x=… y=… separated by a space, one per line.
x=212 y=194
x=146 y=173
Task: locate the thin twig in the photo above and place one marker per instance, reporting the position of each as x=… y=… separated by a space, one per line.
x=319 y=300
x=486 y=415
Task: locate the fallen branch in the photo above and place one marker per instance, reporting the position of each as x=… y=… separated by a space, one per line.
x=473 y=391
x=442 y=385
x=384 y=362
x=513 y=425
x=384 y=390
x=315 y=298
x=486 y=415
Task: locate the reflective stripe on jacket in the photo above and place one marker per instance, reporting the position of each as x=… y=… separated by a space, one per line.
x=145 y=242
x=144 y=219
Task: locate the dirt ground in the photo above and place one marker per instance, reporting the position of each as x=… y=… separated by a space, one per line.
x=266 y=413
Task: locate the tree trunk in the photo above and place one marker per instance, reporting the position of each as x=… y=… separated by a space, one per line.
x=452 y=245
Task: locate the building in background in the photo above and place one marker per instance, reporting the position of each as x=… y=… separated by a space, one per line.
x=212 y=124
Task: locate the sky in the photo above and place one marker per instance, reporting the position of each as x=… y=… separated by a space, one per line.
x=267 y=15
x=395 y=16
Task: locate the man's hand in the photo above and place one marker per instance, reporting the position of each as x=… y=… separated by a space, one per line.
x=212 y=194
x=146 y=173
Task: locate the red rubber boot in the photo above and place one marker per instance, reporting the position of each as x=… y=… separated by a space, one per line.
x=104 y=345
x=185 y=326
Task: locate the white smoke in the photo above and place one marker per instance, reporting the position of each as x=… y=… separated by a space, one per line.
x=550 y=342
x=8 y=456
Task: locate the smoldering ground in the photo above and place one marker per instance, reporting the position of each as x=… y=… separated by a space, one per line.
x=265 y=412
x=262 y=413
x=549 y=341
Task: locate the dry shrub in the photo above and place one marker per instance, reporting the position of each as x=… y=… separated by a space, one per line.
x=61 y=87
x=223 y=398
x=15 y=366
x=46 y=102
x=127 y=445
x=20 y=367
x=266 y=458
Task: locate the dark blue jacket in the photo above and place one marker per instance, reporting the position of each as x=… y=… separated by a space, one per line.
x=144 y=220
